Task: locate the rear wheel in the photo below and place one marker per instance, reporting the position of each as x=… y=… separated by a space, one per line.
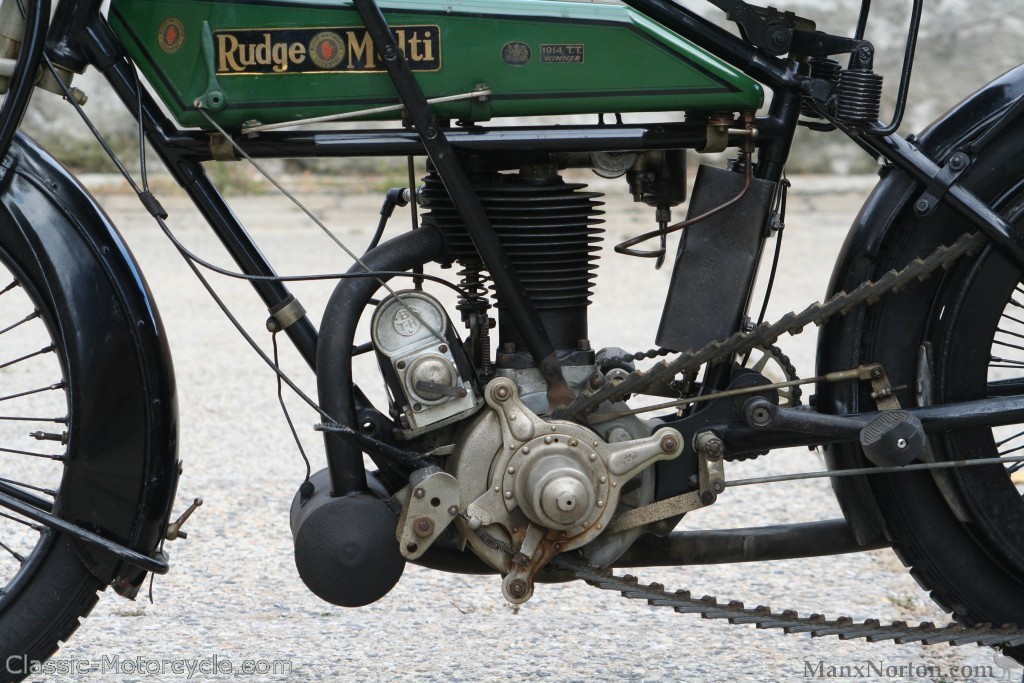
x=961 y=531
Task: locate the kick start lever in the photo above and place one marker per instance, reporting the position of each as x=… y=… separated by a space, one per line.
x=891 y=438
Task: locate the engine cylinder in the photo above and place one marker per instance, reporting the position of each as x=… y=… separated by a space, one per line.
x=547 y=227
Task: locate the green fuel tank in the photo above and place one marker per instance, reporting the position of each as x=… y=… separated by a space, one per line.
x=273 y=61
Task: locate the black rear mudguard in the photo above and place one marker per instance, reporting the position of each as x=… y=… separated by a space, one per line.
x=123 y=467
x=839 y=342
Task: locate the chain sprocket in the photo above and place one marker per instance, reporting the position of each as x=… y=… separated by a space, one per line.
x=767 y=334
x=789 y=621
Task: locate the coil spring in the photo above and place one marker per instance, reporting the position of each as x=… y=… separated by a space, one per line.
x=475 y=304
x=823 y=69
x=860 y=97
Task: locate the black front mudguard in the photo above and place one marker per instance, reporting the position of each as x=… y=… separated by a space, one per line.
x=839 y=342
x=123 y=466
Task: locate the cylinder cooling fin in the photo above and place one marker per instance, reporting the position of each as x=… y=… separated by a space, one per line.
x=548 y=229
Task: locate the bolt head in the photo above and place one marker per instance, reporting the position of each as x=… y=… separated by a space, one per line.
x=517 y=588
x=419 y=493
x=668 y=444
x=901 y=444
x=423 y=527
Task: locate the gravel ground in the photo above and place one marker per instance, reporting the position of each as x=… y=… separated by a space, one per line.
x=233 y=593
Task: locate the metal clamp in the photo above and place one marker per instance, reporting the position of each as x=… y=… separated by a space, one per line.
x=957 y=165
x=285 y=314
x=432 y=504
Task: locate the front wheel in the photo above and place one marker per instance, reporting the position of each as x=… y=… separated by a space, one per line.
x=958 y=336
x=88 y=417
x=46 y=588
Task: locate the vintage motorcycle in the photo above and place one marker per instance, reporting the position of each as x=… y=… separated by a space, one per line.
x=544 y=460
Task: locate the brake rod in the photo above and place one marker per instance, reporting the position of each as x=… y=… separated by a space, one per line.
x=132 y=557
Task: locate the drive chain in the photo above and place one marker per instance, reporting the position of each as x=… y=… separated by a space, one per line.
x=789 y=621
x=768 y=333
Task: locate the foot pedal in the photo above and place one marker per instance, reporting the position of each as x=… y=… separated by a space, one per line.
x=893 y=439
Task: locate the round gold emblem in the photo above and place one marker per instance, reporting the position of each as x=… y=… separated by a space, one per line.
x=171 y=35
x=326 y=50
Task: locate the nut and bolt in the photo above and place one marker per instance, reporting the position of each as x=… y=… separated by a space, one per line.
x=596 y=380
x=419 y=493
x=668 y=443
x=711 y=445
x=400 y=365
x=718 y=486
x=518 y=588
x=423 y=527
x=760 y=416
x=707 y=497
x=443 y=348
x=502 y=393
x=453 y=510
x=901 y=444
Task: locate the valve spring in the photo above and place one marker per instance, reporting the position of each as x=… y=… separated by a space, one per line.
x=473 y=282
x=473 y=305
x=860 y=97
x=826 y=70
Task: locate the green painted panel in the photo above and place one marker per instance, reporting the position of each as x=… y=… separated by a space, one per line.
x=282 y=60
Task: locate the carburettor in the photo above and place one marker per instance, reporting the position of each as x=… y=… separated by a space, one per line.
x=421 y=358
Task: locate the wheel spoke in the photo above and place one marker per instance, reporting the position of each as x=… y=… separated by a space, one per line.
x=48 y=349
x=52 y=387
x=1010 y=450
x=30 y=525
x=1005 y=387
x=1012 y=346
x=14 y=283
x=31 y=316
x=49 y=456
x=26 y=497
x=24 y=418
x=6 y=547
x=1012 y=334
x=1009 y=438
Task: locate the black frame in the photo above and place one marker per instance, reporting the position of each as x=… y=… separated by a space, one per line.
x=79 y=36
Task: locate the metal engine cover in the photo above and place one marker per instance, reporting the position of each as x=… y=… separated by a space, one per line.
x=421 y=358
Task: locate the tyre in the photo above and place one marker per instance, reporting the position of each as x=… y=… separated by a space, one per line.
x=960 y=531
x=46 y=588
